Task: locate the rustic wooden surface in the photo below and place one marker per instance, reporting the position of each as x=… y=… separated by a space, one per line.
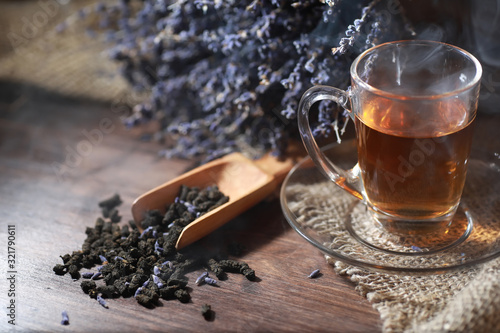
x=51 y=209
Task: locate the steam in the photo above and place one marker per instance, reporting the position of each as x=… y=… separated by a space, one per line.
x=485 y=20
x=418 y=69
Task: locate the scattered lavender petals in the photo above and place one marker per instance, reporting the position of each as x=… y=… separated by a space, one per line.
x=314 y=274
x=157 y=281
x=201 y=278
x=158 y=248
x=148 y=229
x=169 y=263
x=209 y=280
x=65 y=318
x=416 y=248
x=138 y=291
x=102 y=301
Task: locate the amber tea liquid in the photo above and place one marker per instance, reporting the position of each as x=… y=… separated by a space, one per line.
x=413 y=169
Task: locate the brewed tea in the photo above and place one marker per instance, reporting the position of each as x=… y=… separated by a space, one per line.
x=414 y=168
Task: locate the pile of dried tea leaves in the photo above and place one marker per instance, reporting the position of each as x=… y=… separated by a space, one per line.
x=122 y=262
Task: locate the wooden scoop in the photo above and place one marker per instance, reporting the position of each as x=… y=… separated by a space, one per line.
x=244 y=181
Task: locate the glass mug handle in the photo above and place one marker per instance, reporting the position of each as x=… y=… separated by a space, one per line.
x=346 y=179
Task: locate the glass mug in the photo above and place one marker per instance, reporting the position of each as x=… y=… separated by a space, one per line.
x=413 y=104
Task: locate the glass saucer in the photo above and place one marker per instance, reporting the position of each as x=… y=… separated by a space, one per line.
x=340 y=226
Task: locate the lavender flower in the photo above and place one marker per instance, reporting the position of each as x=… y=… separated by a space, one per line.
x=157 y=281
x=138 y=291
x=201 y=278
x=314 y=274
x=169 y=263
x=209 y=280
x=226 y=75
x=102 y=301
x=65 y=318
x=148 y=229
x=158 y=248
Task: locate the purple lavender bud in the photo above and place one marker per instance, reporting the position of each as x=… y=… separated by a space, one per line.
x=103 y=259
x=191 y=208
x=169 y=263
x=157 y=247
x=314 y=274
x=145 y=231
x=138 y=291
x=65 y=318
x=201 y=278
x=309 y=66
x=344 y=41
x=119 y=258
x=102 y=301
x=351 y=30
x=156 y=270
x=157 y=281
x=87 y=275
x=209 y=280
x=95 y=276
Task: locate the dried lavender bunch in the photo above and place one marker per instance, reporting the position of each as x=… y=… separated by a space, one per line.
x=225 y=76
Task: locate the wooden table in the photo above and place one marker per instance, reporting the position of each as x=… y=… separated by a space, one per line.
x=50 y=196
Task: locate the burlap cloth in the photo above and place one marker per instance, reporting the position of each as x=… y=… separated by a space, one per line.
x=74 y=63
x=47 y=44
x=464 y=300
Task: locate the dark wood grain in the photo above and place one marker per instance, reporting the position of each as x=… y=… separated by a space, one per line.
x=51 y=212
